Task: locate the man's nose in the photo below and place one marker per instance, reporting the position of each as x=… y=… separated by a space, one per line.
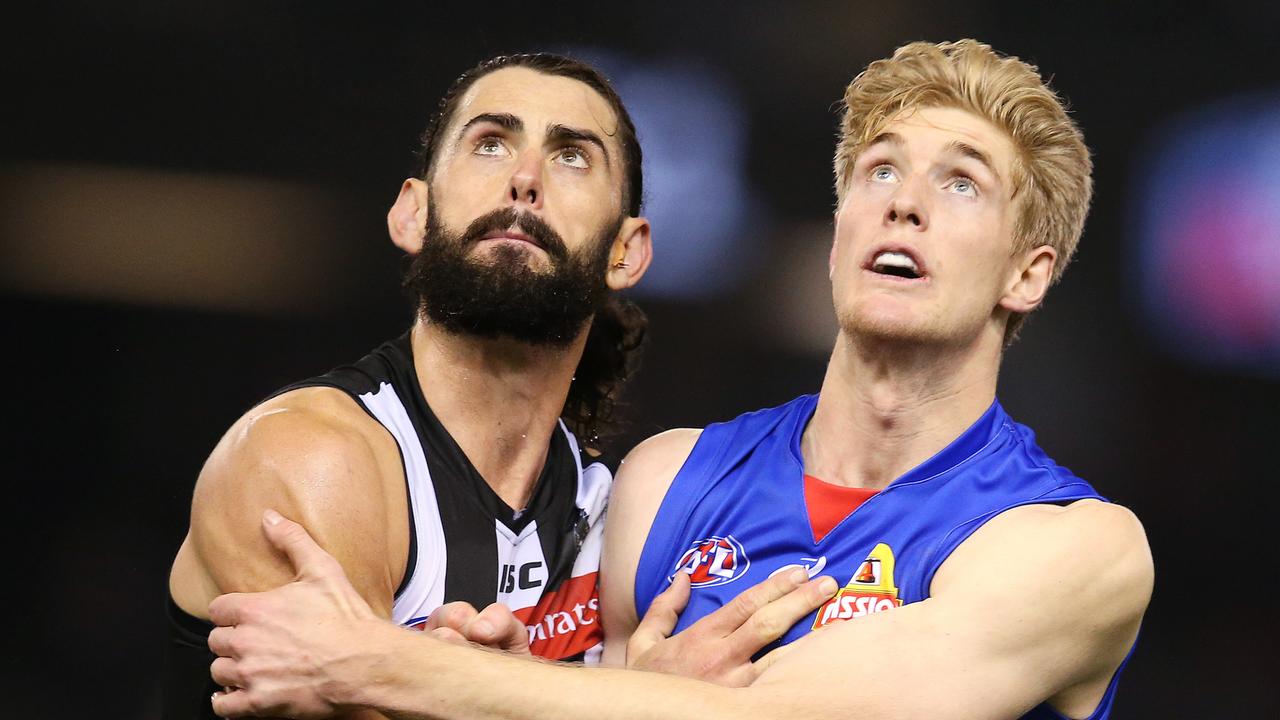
x=906 y=207
x=526 y=181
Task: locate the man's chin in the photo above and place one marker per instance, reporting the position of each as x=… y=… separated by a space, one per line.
x=486 y=330
x=888 y=328
x=510 y=253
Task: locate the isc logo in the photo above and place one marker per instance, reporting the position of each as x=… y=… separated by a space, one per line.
x=714 y=561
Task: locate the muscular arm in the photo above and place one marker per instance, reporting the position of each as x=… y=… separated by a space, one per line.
x=1041 y=603
x=315 y=455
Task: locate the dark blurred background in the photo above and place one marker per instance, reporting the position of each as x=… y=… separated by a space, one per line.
x=192 y=203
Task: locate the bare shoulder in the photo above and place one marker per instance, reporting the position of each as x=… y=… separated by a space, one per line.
x=1064 y=586
x=642 y=482
x=313 y=444
x=656 y=460
x=1095 y=553
x=316 y=457
x=1103 y=532
x=643 y=479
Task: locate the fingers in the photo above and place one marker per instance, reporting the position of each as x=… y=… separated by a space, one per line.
x=220 y=642
x=661 y=618
x=664 y=611
x=453 y=615
x=496 y=626
x=738 y=611
x=226 y=672
x=772 y=620
x=225 y=609
x=296 y=543
x=773 y=656
x=232 y=704
x=449 y=635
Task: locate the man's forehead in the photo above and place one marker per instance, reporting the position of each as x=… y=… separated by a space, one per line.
x=949 y=128
x=538 y=100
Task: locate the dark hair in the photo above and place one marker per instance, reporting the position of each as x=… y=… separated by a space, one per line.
x=614 y=343
x=549 y=64
x=610 y=357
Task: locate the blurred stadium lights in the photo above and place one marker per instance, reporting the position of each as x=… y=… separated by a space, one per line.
x=1208 y=239
x=708 y=226
x=153 y=237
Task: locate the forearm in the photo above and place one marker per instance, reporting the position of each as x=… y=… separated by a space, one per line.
x=419 y=678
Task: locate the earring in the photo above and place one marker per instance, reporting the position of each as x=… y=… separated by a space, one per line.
x=620 y=265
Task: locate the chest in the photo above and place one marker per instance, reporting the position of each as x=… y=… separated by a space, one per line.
x=880 y=554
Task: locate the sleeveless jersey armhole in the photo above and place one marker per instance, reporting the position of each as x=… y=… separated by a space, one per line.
x=670 y=521
x=411 y=560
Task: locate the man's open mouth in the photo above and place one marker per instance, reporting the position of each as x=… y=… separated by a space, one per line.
x=897 y=264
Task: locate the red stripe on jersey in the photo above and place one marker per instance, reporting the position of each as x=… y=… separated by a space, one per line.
x=564 y=622
x=829 y=504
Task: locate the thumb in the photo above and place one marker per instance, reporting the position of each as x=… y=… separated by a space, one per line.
x=671 y=602
x=661 y=618
x=307 y=558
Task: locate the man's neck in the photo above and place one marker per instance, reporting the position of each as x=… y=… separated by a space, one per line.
x=499 y=399
x=885 y=409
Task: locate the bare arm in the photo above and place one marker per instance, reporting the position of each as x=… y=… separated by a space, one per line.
x=267 y=645
x=1041 y=604
x=315 y=455
x=638 y=490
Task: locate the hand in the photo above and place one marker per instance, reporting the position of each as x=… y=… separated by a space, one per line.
x=494 y=627
x=718 y=648
x=293 y=651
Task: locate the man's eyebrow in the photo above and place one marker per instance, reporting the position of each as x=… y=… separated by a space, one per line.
x=888 y=138
x=960 y=147
x=562 y=133
x=503 y=120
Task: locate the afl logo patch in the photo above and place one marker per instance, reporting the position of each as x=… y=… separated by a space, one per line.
x=713 y=561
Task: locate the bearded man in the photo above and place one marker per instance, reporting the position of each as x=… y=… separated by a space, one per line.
x=443 y=467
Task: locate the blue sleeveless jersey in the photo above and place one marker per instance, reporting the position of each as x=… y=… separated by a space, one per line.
x=735 y=514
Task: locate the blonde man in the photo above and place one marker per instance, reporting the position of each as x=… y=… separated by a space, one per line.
x=978 y=579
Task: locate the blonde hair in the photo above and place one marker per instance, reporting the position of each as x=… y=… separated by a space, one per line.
x=1051 y=170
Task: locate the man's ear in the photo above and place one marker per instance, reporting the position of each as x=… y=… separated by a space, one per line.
x=630 y=255
x=834 y=257
x=407 y=218
x=831 y=259
x=1033 y=274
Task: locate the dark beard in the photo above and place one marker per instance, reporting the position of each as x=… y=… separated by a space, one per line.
x=501 y=296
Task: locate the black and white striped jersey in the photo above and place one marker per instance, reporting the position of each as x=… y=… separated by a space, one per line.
x=466 y=543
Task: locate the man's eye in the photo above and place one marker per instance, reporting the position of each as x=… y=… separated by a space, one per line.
x=573 y=157
x=964 y=186
x=883 y=173
x=490 y=146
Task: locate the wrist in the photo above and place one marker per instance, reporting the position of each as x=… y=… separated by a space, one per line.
x=377 y=668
